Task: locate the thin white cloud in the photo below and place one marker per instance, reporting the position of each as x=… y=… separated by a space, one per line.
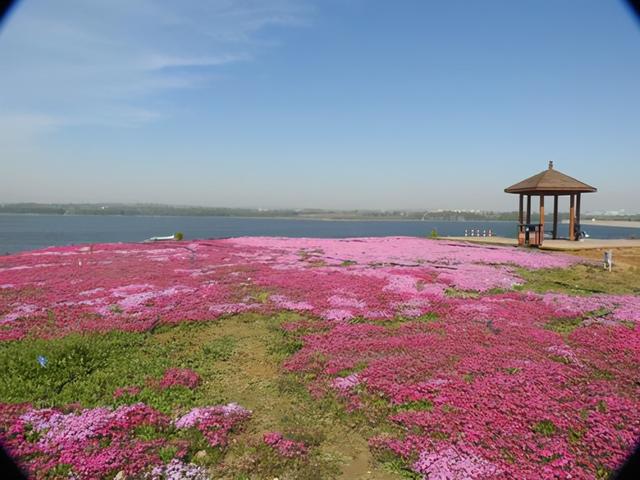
x=160 y=62
x=103 y=61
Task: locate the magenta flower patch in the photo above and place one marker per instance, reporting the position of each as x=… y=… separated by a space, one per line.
x=285 y=447
x=135 y=286
x=179 y=377
x=99 y=442
x=92 y=442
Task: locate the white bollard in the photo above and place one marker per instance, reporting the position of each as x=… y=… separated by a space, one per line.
x=608 y=260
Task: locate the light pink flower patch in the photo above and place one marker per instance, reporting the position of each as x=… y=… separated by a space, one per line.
x=338 y=314
x=405 y=251
x=479 y=277
x=449 y=464
x=345 y=384
x=18 y=312
x=342 y=301
x=565 y=353
x=41 y=419
x=178 y=470
x=215 y=423
x=281 y=301
x=614 y=307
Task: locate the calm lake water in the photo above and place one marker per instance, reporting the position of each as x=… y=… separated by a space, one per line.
x=28 y=232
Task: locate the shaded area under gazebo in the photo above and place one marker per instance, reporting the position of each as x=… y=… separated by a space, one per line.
x=553 y=183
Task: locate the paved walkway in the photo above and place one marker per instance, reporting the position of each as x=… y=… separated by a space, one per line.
x=587 y=244
x=608 y=223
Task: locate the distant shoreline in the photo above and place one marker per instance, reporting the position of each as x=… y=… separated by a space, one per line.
x=609 y=223
x=299 y=217
x=585 y=223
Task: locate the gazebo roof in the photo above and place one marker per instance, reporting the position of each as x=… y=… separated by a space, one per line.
x=550 y=182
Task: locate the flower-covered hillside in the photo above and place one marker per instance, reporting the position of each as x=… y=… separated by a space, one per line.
x=441 y=354
x=133 y=286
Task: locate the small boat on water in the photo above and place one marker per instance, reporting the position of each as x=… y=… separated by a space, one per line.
x=175 y=236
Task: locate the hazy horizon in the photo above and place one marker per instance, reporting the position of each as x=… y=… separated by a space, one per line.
x=335 y=104
x=462 y=210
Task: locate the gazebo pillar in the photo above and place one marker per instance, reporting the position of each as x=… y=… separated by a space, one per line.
x=520 y=209
x=555 y=217
x=572 y=217
x=578 y=229
x=528 y=209
x=541 y=219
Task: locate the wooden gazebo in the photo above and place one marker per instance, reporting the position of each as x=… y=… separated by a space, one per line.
x=549 y=182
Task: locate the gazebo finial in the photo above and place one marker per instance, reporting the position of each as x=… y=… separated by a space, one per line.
x=550 y=164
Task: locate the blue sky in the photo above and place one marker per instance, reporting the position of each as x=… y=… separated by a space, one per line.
x=328 y=103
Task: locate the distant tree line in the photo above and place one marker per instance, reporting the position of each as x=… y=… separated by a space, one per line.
x=172 y=210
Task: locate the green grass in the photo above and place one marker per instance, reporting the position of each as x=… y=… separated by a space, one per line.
x=546 y=428
x=575 y=436
x=564 y=325
x=429 y=317
x=400 y=468
x=88 y=368
x=567 y=325
x=348 y=263
x=220 y=349
x=425 y=405
x=455 y=293
x=583 y=279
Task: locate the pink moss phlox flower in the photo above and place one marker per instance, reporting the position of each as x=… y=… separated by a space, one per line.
x=178 y=470
x=479 y=277
x=281 y=301
x=285 y=447
x=565 y=353
x=555 y=375
x=344 y=384
x=93 y=442
x=171 y=283
x=184 y=377
x=614 y=307
x=215 y=423
x=449 y=463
